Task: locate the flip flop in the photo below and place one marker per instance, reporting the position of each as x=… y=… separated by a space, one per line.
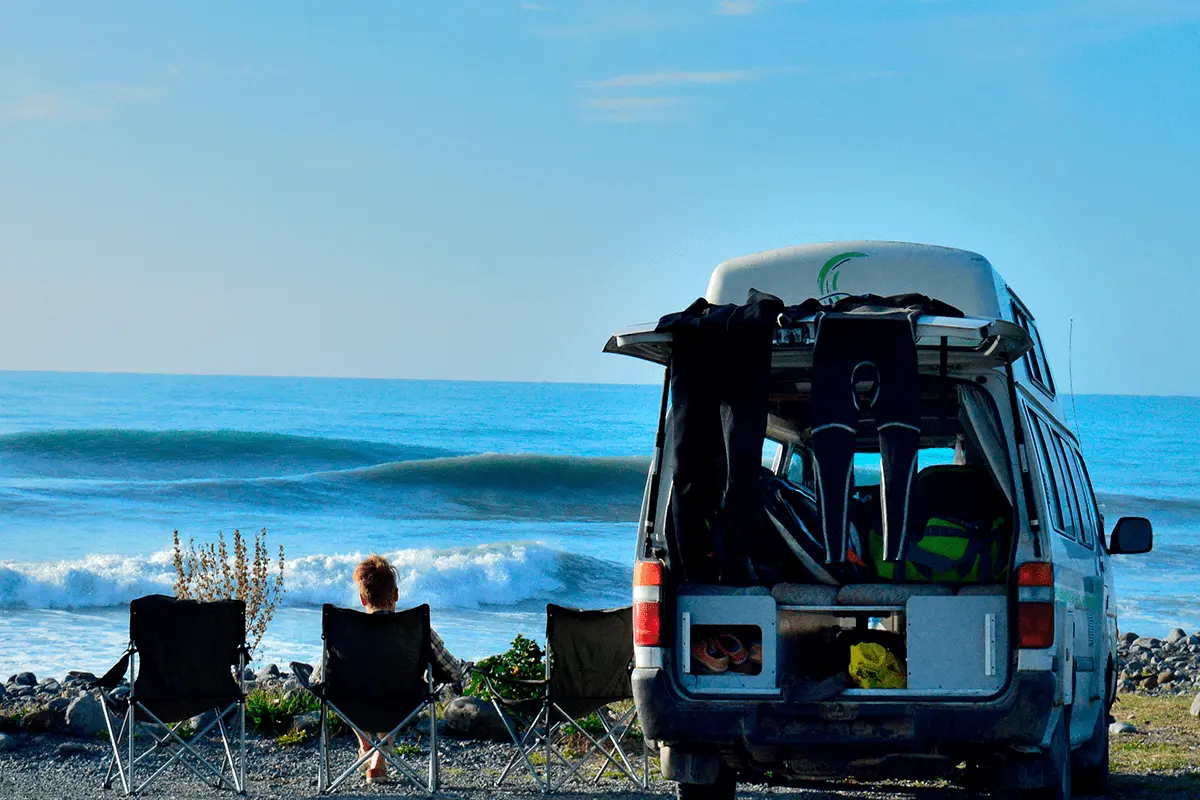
x=706 y=653
x=732 y=647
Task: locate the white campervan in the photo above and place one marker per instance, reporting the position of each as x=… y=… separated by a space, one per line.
x=963 y=624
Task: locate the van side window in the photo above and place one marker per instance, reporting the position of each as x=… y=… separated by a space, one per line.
x=1035 y=359
x=1053 y=498
x=1071 y=483
x=1087 y=500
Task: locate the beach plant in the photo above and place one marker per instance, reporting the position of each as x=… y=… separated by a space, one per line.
x=293 y=737
x=207 y=572
x=522 y=661
x=274 y=712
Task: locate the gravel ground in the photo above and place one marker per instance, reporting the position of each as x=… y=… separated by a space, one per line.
x=42 y=768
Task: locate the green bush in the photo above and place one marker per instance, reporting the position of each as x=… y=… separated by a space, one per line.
x=292 y=737
x=522 y=660
x=272 y=712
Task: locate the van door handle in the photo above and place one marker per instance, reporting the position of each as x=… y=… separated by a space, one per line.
x=1085 y=664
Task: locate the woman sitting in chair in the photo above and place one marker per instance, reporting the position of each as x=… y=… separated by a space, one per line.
x=375 y=579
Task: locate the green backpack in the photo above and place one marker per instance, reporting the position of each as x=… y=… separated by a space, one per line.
x=967 y=534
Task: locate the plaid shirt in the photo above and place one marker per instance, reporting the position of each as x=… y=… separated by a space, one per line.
x=451 y=668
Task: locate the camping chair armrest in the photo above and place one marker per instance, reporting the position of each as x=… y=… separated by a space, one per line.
x=112 y=679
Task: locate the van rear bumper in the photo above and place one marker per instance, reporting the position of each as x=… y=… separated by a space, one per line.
x=1017 y=717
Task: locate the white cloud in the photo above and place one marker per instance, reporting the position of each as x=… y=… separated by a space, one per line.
x=737 y=8
x=631 y=109
x=671 y=78
x=25 y=100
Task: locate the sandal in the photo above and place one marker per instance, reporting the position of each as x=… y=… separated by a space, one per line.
x=733 y=648
x=709 y=656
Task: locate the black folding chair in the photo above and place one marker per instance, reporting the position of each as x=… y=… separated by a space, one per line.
x=185 y=658
x=589 y=657
x=377 y=675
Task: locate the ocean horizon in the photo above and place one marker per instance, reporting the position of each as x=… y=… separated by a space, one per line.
x=492 y=499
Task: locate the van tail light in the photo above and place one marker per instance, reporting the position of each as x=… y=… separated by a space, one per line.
x=1035 y=606
x=647 y=603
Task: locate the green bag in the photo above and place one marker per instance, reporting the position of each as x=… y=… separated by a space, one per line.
x=948 y=551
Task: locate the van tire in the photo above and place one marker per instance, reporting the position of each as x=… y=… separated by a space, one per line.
x=1054 y=764
x=1091 y=759
x=725 y=788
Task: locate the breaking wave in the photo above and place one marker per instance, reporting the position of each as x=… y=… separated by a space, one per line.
x=466 y=578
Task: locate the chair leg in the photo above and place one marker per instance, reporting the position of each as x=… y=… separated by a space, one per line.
x=434 y=776
x=115 y=742
x=323 y=756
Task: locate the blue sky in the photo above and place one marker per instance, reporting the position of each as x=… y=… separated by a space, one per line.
x=485 y=190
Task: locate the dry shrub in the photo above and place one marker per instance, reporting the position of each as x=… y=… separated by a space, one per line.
x=206 y=572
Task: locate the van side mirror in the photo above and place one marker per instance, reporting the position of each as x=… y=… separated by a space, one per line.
x=1132 y=535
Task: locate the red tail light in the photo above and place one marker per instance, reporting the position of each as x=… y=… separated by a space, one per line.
x=1035 y=573
x=1035 y=625
x=647 y=604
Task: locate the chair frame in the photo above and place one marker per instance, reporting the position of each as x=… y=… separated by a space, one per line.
x=381 y=745
x=179 y=749
x=535 y=738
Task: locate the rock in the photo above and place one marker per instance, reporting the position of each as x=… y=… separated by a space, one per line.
x=308 y=721
x=44 y=720
x=248 y=674
x=72 y=749
x=85 y=717
x=1195 y=709
x=3 y=693
x=291 y=685
x=24 y=679
x=25 y=691
x=1128 y=638
x=8 y=743
x=1121 y=728
x=202 y=721
x=59 y=704
x=75 y=676
x=1166 y=676
x=271 y=670
x=474 y=718
x=1150 y=682
x=1148 y=642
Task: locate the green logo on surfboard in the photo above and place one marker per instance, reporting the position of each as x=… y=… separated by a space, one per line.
x=827 y=279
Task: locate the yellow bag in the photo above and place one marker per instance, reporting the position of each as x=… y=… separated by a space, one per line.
x=873 y=667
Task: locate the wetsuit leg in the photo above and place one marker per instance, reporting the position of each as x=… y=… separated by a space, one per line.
x=898 y=420
x=745 y=389
x=834 y=421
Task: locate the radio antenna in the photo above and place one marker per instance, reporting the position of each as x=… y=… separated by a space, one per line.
x=1071 y=377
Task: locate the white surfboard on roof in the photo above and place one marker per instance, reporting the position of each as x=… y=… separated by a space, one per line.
x=961 y=278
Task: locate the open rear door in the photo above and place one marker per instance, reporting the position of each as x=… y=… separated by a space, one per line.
x=968 y=343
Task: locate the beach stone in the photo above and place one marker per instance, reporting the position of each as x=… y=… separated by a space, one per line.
x=59 y=704
x=248 y=674
x=271 y=670
x=44 y=720
x=291 y=685
x=24 y=679
x=75 y=676
x=202 y=721
x=1150 y=682
x=3 y=693
x=72 y=749
x=308 y=721
x=85 y=717
x=1195 y=709
x=8 y=743
x=1148 y=642
x=1128 y=638
x=1166 y=676
x=1121 y=728
x=474 y=718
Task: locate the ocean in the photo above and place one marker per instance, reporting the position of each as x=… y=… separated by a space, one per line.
x=492 y=499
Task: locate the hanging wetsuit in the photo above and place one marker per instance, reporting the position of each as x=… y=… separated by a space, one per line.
x=880 y=349
x=719 y=380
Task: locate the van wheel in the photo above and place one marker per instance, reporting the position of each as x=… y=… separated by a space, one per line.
x=1055 y=765
x=724 y=789
x=1091 y=760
